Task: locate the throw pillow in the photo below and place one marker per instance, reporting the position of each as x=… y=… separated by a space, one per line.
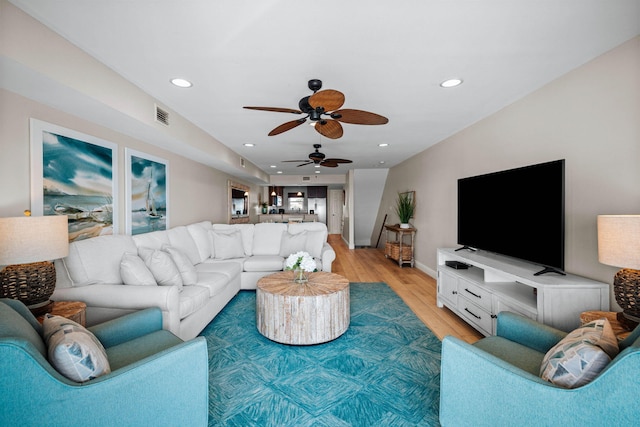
x=73 y=350
x=134 y=271
x=315 y=242
x=292 y=243
x=162 y=267
x=227 y=245
x=580 y=356
x=187 y=270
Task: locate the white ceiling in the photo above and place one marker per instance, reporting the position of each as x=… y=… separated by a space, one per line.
x=386 y=57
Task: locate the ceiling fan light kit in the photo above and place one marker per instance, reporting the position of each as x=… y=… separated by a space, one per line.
x=323 y=110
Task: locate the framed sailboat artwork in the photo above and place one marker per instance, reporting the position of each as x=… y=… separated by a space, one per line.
x=146 y=193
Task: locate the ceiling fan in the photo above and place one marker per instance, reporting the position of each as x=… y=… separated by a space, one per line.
x=318 y=158
x=324 y=103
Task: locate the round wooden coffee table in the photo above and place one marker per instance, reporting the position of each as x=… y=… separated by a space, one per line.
x=302 y=314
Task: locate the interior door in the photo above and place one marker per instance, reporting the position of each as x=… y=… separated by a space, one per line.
x=335 y=212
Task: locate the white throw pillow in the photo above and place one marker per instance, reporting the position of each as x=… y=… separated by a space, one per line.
x=292 y=243
x=134 y=271
x=185 y=267
x=73 y=350
x=162 y=267
x=227 y=245
x=315 y=243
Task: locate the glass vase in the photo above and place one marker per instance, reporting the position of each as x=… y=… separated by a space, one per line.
x=300 y=276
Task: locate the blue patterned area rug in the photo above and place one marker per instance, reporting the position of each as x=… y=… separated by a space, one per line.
x=384 y=371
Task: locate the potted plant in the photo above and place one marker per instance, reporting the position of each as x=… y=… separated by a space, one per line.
x=405 y=206
x=265 y=207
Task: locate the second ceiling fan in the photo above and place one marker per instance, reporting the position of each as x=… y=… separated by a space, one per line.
x=319 y=158
x=323 y=108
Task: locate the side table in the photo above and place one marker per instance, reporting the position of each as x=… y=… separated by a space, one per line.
x=621 y=326
x=72 y=310
x=397 y=249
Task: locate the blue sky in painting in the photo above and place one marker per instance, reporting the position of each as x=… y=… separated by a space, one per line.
x=76 y=167
x=143 y=173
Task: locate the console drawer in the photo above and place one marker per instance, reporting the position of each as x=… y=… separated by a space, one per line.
x=475 y=294
x=476 y=316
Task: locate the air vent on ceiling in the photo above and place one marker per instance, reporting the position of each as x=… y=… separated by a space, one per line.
x=306 y=178
x=162 y=116
x=241 y=162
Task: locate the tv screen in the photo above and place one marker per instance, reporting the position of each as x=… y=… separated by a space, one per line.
x=517 y=212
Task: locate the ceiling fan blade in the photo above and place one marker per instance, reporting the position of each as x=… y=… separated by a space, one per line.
x=359 y=117
x=305 y=164
x=328 y=99
x=331 y=129
x=338 y=161
x=294 y=161
x=329 y=164
x=287 y=126
x=275 y=109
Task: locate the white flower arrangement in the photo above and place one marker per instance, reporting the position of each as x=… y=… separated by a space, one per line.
x=301 y=261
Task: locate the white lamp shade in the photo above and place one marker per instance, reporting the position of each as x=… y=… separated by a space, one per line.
x=27 y=239
x=619 y=240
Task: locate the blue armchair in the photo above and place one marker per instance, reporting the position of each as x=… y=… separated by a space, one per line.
x=495 y=382
x=156 y=378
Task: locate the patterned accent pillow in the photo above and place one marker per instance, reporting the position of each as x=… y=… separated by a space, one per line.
x=73 y=350
x=581 y=355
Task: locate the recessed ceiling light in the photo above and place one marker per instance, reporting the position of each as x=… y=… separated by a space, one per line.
x=248 y=144
x=451 y=83
x=381 y=162
x=384 y=144
x=279 y=172
x=181 y=82
x=316 y=166
x=273 y=166
x=317 y=171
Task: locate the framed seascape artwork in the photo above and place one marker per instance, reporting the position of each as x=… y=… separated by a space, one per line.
x=147 y=193
x=74 y=174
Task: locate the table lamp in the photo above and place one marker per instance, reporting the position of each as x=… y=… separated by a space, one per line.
x=619 y=245
x=27 y=246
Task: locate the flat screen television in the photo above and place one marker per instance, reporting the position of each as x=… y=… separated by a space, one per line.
x=517 y=213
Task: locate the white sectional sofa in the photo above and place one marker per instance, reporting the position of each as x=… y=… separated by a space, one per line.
x=190 y=272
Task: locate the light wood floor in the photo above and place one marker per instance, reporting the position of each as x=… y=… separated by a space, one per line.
x=417 y=289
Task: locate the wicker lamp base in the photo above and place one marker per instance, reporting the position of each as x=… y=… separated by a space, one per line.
x=626 y=288
x=32 y=284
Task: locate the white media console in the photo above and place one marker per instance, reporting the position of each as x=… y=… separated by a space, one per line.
x=495 y=283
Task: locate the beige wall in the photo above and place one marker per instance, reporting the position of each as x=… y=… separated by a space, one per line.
x=590 y=117
x=197 y=192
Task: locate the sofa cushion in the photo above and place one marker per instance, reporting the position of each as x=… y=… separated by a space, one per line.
x=579 y=357
x=267 y=238
x=181 y=239
x=134 y=271
x=97 y=260
x=264 y=263
x=292 y=243
x=214 y=282
x=246 y=231
x=153 y=240
x=200 y=234
x=73 y=350
x=230 y=268
x=162 y=267
x=192 y=298
x=185 y=266
x=227 y=245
